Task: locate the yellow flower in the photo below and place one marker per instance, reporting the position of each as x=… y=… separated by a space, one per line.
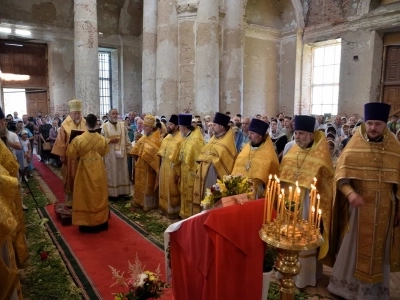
x=152 y=278
x=118 y=297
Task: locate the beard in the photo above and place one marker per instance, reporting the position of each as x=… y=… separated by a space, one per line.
x=77 y=121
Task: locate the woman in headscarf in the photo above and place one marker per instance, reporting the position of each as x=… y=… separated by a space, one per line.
x=278 y=137
x=334 y=150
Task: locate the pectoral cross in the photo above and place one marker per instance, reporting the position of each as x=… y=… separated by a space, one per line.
x=208 y=152
x=248 y=165
x=297 y=174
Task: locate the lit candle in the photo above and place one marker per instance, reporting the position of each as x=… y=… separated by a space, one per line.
x=319 y=218
x=290 y=193
x=296 y=207
x=282 y=205
x=269 y=180
x=315 y=181
x=273 y=192
x=318 y=201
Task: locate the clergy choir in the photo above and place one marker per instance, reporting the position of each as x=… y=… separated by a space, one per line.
x=356 y=165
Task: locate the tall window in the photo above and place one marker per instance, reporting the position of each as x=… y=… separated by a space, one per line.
x=105 y=82
x=325 y=79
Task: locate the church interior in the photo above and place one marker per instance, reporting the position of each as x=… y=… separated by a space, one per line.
x=169 y=56
x=164 y=57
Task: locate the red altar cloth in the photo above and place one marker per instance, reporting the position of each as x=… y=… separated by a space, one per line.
x=219 y=254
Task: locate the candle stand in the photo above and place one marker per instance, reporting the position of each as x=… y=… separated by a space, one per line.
x=290 y=238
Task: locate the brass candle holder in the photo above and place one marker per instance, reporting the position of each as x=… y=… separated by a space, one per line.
x=290 y=234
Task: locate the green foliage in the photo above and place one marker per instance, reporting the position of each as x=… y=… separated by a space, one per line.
x=47 y=279
x=269 y=259
x=150 y=221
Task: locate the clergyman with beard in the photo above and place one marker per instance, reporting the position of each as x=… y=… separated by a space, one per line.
x=170 y=197
x=119 y=146
x=257 y=160
x=74 y=121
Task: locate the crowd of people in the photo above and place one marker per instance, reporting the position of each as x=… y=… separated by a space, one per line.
x=172 y=161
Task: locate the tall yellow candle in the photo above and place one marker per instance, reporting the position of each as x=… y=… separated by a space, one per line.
x=319 y=218
x=290 y=193
x=312 y=215
x=318 y=201
x=265 y=206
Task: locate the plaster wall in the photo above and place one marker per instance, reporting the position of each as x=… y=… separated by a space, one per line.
x=287 y=76
x=131 y=75
x=261 y=74
x=187 y=63
x=61 y=74
x=360 y=71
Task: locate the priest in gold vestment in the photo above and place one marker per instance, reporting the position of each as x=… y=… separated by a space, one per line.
x=147 y=166
x=170 y=198
x=215 y=160
x=185 y=163
x=310 y=158
x=367 y=212
x=90 y=206
x=68 y=170
x=13 y=247
x=257 y=160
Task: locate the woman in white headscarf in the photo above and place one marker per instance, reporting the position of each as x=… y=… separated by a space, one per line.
x=278 y=137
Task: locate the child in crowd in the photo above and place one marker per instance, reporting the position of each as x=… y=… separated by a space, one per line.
x=26 y=148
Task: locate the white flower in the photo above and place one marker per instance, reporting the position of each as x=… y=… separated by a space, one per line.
x=142 y=278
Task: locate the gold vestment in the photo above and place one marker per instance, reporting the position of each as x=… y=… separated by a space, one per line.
x=303 y=165
x=169 y=196
x=372 y=170
x=9 y=278
x=9 y=162
x=68 y=169
x=90 y=205
x=257 y=164
x=185 y=166
x=220 y=152
x=147 y=168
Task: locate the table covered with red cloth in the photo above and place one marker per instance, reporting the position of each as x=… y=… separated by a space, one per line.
x=219 y=254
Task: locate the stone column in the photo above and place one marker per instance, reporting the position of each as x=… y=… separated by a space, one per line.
x=232 y=62
x=86 y=55
x=207 y=58
x=167 y=58
x=149 y=56
x=187 y=55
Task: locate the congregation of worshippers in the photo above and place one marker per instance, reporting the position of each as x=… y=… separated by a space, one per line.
x=167 y=163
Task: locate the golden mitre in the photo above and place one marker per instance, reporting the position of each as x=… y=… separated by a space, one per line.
x=149 y=120
x=75 y=105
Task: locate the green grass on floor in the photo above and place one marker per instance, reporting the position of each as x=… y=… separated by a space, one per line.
x=151 y=221
x=48 y=279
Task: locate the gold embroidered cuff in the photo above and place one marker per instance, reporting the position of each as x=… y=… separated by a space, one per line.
x=346 y=189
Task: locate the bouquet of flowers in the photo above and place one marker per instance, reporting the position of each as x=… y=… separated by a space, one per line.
x=229 y=186
x=141 y=284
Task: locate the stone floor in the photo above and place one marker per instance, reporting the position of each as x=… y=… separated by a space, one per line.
x=322 y=291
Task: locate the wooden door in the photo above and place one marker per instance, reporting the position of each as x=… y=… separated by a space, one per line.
x=36 y=101
x=391 y=78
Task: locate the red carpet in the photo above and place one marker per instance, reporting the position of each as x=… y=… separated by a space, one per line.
x=95 y=252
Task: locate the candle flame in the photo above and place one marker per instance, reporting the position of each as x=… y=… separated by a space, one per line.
x=319 y=211
x=313 y=208
x=297 y=183
x=275 y=177
x=318 y=197
x=283 y=191
x=315 y=180
x=290 y=188
x=280 y=196
x=298 y=190
x=270 y=176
